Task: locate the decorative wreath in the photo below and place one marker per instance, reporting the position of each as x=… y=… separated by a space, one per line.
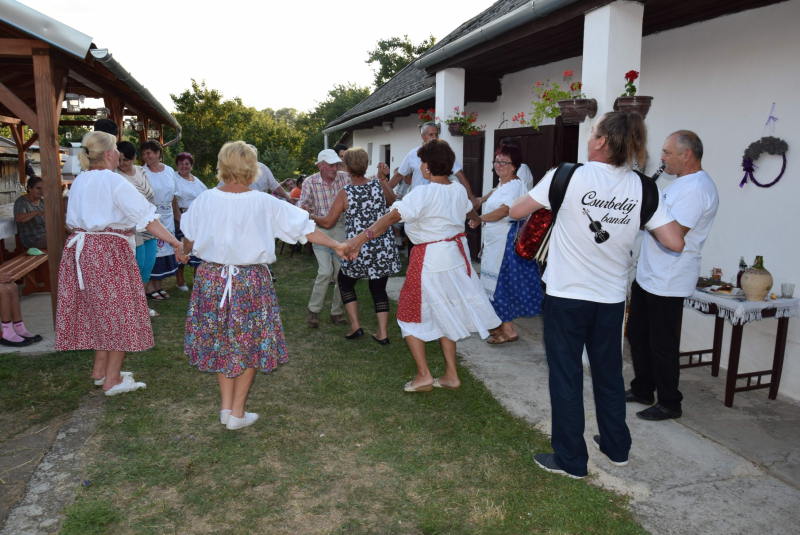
x=770 y=145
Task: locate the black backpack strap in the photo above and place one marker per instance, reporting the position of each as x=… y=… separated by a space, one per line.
x=650 y=193
x=559 y=184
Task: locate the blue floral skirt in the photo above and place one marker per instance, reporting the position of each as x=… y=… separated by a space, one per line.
x=519 y=288
x=246 y=332
x=193 y=260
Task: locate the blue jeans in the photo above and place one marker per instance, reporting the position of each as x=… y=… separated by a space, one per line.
x=569 y=324
x=146 y=258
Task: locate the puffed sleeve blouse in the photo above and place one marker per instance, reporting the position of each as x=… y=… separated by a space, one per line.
x=102 y=199
x=240 y=228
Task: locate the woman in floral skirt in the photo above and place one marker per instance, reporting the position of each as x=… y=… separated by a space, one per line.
x=233 y=326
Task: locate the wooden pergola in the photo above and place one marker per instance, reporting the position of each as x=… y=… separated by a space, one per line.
x=41 y=60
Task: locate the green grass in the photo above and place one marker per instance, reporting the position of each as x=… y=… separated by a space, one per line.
x=339 y=447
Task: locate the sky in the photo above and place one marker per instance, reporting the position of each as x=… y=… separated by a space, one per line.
x=270 y=54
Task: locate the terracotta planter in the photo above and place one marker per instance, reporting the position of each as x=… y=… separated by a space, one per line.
x=756 y=281
x=454 y=129
x=640 y=105
x=575 y=110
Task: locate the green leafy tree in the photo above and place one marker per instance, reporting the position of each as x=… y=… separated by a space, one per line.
x=209 y=121
x=340 y=99
x=393 y=54
x=76 y=133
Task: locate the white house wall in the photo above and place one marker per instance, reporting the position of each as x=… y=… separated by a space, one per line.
x=718 y=78
x=403 y=137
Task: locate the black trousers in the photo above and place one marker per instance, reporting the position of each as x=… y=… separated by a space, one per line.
x=377 y=287
x=653 y=332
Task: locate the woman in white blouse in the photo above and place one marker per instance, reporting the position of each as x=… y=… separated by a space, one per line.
x=189 y=187
x=233 y=326
x=442 y=298
x=165 y=187
x=101 y=302
x=511 y=283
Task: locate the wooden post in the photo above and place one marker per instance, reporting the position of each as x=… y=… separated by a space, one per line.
x=115 y=111
x=143 y=132
x=48 y=147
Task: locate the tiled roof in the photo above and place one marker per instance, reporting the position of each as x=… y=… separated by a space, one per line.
x=411 y=80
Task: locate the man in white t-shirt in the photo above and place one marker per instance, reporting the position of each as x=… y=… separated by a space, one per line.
x=265 y=181
x=664 y=278
x=586 y=279
x=411 y=164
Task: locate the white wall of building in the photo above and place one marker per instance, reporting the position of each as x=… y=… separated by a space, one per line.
x=403 y=137
x=718 y=78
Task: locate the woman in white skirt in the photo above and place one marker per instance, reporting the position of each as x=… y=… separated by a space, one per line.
x=101 y=302
x=442 y=298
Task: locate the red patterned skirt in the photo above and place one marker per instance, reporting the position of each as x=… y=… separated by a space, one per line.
x=110 y=313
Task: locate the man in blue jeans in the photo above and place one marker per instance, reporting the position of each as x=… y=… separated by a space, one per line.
x=586 y=280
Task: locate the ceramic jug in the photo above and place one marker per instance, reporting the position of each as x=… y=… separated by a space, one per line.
x=756 y=281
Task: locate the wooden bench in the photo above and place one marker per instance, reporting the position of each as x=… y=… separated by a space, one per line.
x=25 y=267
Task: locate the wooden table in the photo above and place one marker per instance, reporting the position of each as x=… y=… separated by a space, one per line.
x=755 y=380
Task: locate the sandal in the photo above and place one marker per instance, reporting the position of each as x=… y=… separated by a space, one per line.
x=384 y=342
x=164 y=294
x=501 y=338
x=155 y=296
x=437 y=384
x=423 y=388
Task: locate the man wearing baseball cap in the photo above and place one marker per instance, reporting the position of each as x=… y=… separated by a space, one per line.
x=319 y=191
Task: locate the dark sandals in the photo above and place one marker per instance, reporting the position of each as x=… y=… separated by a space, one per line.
x=384 y=342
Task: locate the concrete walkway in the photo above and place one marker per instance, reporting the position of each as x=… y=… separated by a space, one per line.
x=713 y=471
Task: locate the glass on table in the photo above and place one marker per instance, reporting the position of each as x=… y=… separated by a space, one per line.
x=787 y=290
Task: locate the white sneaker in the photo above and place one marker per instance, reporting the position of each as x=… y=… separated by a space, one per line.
x=127 y=385
x=225 y=414
x=237 y=423
x=100 y=382
x=183 y=288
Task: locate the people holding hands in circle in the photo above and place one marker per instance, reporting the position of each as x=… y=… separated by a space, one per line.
x=442 y=297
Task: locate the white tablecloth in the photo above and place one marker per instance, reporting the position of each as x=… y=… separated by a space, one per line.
x=739 y=310
x=8 y=227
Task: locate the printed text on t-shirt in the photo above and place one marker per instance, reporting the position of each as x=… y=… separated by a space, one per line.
x=626 y=207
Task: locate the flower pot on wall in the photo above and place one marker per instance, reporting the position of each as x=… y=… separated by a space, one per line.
x=636 y=103
x=756 y=281
x=454 y=129
x=575 y=110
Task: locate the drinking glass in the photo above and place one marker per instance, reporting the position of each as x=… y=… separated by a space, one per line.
x=787 y=289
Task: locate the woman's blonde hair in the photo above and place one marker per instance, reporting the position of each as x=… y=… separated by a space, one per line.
x=237 y=163
x=93 y=149
x=357 y=160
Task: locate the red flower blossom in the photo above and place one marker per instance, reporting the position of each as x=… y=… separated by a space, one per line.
x=538 y=84
x=631 y=76
x=567 y=74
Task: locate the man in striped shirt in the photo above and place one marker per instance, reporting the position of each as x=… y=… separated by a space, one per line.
x=319 y=191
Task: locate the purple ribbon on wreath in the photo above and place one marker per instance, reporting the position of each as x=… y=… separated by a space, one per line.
x=749 y=167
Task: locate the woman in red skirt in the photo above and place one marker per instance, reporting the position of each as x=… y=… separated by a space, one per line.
x=101 y=302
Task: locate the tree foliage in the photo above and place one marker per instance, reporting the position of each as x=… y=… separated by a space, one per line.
x=340 y=99
x=393 y=54
x=208 y=121
x=287 y=140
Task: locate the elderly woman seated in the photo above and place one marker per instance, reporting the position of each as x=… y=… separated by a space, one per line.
x=29 y=215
